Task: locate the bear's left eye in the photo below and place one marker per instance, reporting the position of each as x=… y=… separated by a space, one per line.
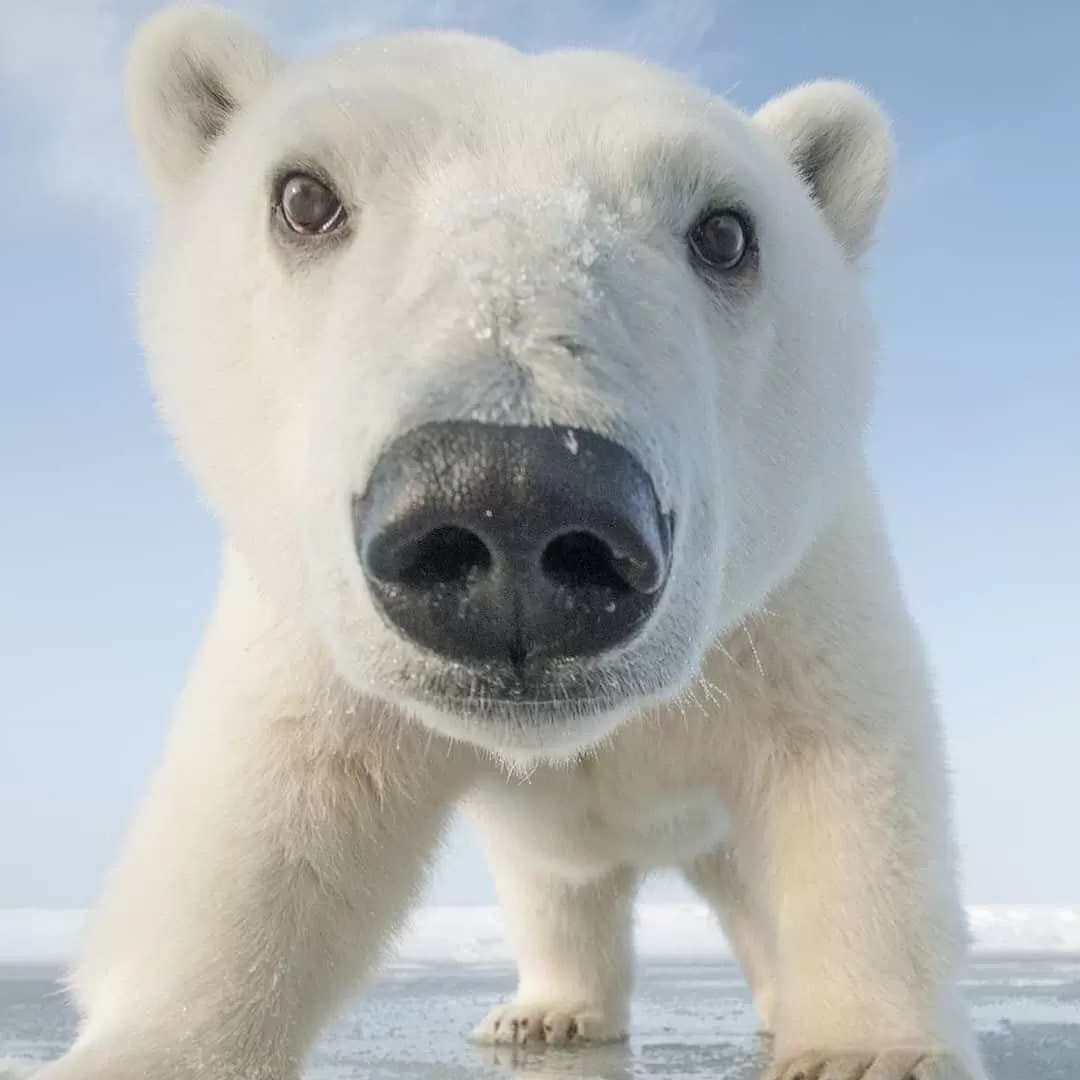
x=308 y=206
x=721 y=239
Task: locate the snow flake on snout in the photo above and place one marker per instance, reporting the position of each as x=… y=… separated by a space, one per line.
x=518 y=253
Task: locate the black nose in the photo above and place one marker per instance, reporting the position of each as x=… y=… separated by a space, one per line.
x=491 y=543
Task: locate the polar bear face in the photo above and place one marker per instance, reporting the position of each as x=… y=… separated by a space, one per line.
x=521 y=377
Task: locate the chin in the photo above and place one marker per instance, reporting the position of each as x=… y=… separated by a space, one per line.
x=526 y=713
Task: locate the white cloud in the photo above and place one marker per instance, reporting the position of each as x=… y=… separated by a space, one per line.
x=61 y=64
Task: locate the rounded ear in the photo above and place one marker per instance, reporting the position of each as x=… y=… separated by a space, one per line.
x=840 y=143
x=190 y=70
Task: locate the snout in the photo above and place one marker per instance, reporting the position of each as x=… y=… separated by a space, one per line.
x=490 y=544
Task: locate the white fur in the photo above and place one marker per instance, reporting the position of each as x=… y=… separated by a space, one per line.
x=771 y=731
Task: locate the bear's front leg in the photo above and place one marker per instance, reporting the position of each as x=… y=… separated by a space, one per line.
x=855 y=855
x=717 y=878
x=574 y=951
x=281 y=843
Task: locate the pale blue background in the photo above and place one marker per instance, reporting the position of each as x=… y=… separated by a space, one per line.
x=107 y=560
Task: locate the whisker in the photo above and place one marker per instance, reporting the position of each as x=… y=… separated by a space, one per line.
x=753 y=649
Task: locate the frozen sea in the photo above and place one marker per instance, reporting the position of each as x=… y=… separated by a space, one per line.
x=691 y=1016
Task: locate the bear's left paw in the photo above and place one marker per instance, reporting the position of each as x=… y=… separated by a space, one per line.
x=895 y=1064
x=554 y=1024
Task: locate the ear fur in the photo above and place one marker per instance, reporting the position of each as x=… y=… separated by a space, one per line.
x=840 y=143
x=190 y=70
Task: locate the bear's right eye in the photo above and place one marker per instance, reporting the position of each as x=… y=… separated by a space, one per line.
x=309 y=207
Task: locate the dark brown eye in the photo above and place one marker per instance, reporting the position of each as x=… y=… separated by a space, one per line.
x=309 y=207
x=721 y=240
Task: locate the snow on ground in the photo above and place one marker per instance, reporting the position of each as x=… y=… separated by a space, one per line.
x=474 y=935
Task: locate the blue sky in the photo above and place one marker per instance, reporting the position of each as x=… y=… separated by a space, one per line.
x=108 y=560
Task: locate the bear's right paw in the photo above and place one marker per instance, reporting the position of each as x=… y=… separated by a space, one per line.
x=894 y=1064
x=556 y=1024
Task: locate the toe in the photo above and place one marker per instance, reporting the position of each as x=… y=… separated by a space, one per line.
x=848 y=1067
x=505 y=1030
x=530 y=1028
x=895 y=1065
x=918 y=1065
x=560 y=1028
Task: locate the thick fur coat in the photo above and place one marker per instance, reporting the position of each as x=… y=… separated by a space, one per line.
x=513 y=251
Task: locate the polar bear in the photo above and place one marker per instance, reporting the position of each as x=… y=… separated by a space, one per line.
x=529 y=391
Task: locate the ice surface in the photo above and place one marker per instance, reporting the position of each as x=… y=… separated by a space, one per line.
x=690 y=1021
x=692 y=1015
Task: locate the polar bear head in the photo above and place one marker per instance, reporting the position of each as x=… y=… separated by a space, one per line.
x=520 y=377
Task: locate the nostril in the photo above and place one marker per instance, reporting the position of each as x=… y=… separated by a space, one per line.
x=579 y=560
x=447 y=555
